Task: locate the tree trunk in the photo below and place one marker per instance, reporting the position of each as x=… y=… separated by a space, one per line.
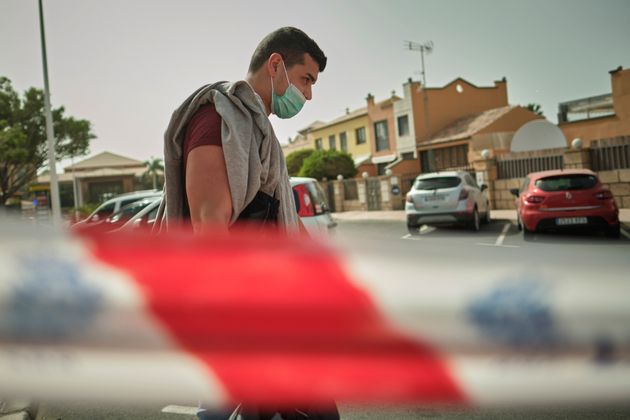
x=154 y=181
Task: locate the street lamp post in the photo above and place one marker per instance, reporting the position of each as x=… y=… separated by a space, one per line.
x=50 y=134
x=427 y=48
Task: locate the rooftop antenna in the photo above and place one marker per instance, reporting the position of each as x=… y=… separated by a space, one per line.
x=425 y=48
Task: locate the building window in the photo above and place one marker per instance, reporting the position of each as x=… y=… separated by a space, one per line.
x=318 y=144
x=455 y=157
x=382 y=139
x=407 y=156
x=343 y=142
x=381 y=168
x=360 y=132
x=332 y=142
x=403 y=125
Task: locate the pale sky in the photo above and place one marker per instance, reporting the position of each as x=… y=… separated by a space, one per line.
x=125 y=65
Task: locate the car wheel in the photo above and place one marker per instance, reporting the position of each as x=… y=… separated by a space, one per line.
x=519 y=225
x=486 y=217
x=475 y=224
x=614 y=232
x=413 y=229
x=527 y=232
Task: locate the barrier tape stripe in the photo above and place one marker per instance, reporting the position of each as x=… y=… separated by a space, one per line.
x=313 y=277
x=281 y=321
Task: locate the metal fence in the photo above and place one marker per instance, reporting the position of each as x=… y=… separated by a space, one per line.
x=350 y=189
x=610 y=154
x=508 y=168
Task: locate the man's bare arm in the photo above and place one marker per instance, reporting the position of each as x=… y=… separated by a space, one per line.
x=208 y=189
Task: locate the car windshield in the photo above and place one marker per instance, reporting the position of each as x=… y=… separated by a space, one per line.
x=437 y=183
x=566 y=182
x=128 y=211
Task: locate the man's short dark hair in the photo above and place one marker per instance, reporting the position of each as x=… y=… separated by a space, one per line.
x=291 y=43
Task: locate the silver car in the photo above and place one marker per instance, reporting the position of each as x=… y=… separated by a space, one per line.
x=444 y=198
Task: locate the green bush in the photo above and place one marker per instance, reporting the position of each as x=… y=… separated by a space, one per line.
x=328 y=164
x=294 y=160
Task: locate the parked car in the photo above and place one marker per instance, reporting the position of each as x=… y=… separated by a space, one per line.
x=144 y=218
x=112 y=205
x=310 y=202
x=119 y=218
x=563 y=199
x=446 y=198
x=312 y=206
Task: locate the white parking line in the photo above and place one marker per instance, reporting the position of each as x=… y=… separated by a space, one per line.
x=410 y=237
x=501 y=237
x=426 y=229
x=180 y=409
x=624 y=233
x=501 y=246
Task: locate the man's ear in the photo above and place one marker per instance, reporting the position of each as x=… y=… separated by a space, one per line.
x=273 y=64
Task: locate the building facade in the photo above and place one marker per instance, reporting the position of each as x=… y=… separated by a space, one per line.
x=600 y=117
x=96 y=179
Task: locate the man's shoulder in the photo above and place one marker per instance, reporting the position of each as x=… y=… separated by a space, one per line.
x=207 y=113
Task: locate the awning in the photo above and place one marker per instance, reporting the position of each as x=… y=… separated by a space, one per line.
x=360 y=160
x=384 y=159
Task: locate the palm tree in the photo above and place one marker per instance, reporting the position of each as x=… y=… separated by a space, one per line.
x=535 y=108
x=154 y=168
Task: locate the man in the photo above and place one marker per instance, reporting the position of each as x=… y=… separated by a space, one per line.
x=223 y=162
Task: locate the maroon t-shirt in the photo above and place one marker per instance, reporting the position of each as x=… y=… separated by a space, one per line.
x=204 y=129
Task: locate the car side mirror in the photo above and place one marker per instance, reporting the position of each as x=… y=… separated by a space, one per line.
x=514 y=192
x=484 y=187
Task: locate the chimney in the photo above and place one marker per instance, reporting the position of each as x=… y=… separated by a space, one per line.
x=370 y=100
x=347 y=111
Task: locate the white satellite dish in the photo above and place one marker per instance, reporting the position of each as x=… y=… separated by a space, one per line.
x=538 y=135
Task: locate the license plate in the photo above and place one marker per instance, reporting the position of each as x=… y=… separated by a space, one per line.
x=563 y=221
x=434 y=198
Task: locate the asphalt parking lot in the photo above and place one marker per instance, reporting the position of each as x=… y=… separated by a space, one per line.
x=500 y=236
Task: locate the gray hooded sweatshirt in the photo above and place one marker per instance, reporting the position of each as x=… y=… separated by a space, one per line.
x=253 y=156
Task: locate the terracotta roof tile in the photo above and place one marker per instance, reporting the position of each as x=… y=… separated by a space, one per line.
x=468 y=126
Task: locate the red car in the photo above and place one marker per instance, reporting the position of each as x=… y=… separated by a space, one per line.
x=558 y=199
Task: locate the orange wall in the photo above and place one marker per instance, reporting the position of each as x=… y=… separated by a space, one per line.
x=383 y=110
x=366 y=167
x=407 y=167
x=446 y=105
x=605 y=127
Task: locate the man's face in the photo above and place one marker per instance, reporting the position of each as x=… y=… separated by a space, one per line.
x=303 y=77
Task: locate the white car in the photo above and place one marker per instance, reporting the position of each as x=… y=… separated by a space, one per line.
x=312 y=206
x=310 y=202
x=444 y=198
x=112 y=205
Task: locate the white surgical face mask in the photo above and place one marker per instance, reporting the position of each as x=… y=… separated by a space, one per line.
x=288 y=104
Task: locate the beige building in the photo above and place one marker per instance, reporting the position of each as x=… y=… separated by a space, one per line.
x=96 y=178
x=303 y=140
x=348 y=133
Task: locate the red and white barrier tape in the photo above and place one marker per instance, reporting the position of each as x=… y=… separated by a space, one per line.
x=275 y=320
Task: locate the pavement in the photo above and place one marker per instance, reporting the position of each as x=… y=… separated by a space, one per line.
x=399 y=215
